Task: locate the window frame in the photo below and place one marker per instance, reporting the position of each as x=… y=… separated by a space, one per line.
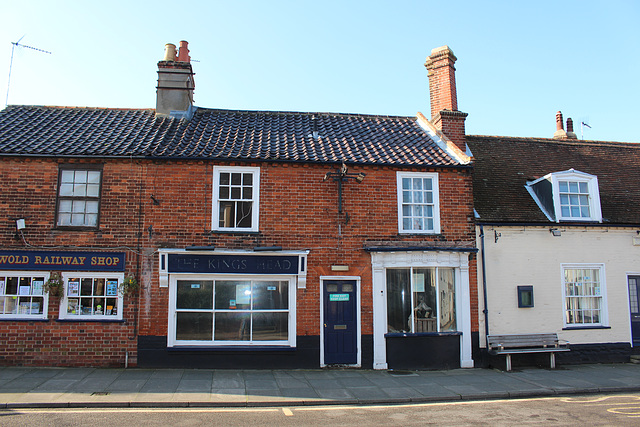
x=64 y=301
x=172 y=341
x=435 y=189
x=594 y=194
x=413 y=291
x=603 y=311
x=44 y=295
x=59 y=197
x=255 y=208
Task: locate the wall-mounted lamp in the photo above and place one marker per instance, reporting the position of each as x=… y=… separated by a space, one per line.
x=342 y=175
x=20 y=224
x=555 y=232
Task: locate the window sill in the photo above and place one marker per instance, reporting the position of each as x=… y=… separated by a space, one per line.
x=23 y=319
x=579 y=328
x=234 y=232
x=231 y=348
x=85 y=319
x=76 y=228
x=420 y=334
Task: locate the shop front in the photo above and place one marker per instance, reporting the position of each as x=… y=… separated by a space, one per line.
x=228 y=309
x=421 y=309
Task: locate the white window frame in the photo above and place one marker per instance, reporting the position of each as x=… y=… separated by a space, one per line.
x=74 y=198
x=173 y=288
x=255 y=209
x=66 y=275
x=604 y=313
x=44 y=295
x=594 y=195
x=435 y=202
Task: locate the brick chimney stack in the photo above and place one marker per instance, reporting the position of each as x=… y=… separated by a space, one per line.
x=442 y=93
x=560 y=133
x=175 y=82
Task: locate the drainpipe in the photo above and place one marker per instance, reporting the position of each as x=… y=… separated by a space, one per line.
x=484 y=283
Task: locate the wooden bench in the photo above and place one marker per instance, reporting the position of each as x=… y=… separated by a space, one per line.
x=527 y=343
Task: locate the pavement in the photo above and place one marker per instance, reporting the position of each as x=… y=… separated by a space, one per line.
x=27 y=387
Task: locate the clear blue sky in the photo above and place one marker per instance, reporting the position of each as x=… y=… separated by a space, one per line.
x=518 y=62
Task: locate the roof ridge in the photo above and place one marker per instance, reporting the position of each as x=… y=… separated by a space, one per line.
x=304 y=113
x=560 y=141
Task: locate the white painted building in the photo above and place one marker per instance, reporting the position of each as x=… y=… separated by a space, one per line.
x=558 y=227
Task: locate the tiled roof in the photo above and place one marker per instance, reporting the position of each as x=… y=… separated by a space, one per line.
x=219 y=134
x=503 y=166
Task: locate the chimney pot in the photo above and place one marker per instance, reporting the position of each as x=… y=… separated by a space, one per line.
x=169 y=52
x=560 y=132
x=570 y=133
x=183 y=53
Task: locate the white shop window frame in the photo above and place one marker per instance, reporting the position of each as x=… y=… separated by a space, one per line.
x=255 y=208
x=604 y=312
x=172 y=318
x=435 y=189
x=64 y=301
x=45 y=296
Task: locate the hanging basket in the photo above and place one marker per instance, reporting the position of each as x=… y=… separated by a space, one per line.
x=55 y=285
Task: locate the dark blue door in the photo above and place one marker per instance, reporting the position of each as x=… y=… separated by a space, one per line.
x=634 y=305
x=340 y=322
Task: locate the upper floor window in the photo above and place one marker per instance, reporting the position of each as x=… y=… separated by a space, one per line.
x=568 y=196
x=418 y=203
x=22 y=294
x=236 y=192
x=78 y=197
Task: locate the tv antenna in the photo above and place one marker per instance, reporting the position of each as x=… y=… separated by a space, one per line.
x=13 y=47
x=582 y=125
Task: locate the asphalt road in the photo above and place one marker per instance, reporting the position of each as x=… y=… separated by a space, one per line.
x=613 y=409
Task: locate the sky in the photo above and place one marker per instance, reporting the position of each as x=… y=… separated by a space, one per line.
x=518 y=61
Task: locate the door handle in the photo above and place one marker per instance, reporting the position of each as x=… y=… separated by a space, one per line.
x=325 y=325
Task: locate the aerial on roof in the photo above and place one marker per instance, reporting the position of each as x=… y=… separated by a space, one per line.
x=504 y=166
x=221 y=135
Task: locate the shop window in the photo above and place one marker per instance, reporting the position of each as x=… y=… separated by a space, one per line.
x=421 y=300
x=584 y=303
x=22 y=295
x=91 y=296
x=418 y=205
x=236 y=198
x=78 y=197
x=232 y=312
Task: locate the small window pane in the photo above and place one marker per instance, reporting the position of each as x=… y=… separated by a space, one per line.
x=194 y=326
x=270 y=326
x=80 y=177
x=225 y=178
x=78 y=206
x=271 y=295
x=92 y=207
x=236 y=179
x=66 y=189
x=417 y=184
x=232 y=295
x=564 y=187
x=584 y=187
x=93 y=190
x=67 y=176
x=194 y=294
x=406 y=183
x=224 y=192
x=247 y=179
x=232 y=326
x=93 y=177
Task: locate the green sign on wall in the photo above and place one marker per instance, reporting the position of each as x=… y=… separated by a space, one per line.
x=338 y=297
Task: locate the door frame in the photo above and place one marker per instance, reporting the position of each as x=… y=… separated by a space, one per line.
x=628 y=276
x=357 y=280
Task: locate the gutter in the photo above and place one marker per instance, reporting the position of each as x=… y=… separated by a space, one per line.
x=484 y=283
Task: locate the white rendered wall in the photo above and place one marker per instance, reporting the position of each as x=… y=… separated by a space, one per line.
x=533 y=256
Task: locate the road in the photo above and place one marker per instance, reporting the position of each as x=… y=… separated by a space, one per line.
x=614 y=409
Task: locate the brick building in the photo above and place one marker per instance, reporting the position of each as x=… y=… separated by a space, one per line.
x=258 y=239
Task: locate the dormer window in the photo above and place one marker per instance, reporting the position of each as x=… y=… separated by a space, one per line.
x=567 y=196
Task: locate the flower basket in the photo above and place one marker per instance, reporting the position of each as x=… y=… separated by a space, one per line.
x=55 y=285
x=129 y=286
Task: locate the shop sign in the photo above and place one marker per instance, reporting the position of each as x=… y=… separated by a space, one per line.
x=62 y=261
x=240 y=263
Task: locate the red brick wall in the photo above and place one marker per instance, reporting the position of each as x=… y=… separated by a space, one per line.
x=297 y=211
